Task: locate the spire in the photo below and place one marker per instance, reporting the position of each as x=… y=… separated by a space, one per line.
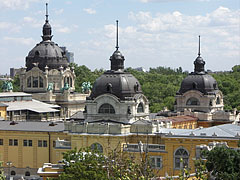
x=199 y=46
x=117 y=59
x=46 y=13
x=117 y=36
x=47 y=30
x=199 y=62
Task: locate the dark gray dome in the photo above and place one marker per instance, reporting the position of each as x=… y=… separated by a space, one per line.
x=204 y=83
x=121 y=84
x=46 y=53
x=199 y=80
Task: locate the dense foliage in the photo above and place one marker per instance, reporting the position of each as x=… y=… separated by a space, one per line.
x=161 y=84
x=2 y=176
x=85 y=164
x=223 y=163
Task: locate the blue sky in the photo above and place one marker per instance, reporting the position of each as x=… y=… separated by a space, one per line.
x=152 y=32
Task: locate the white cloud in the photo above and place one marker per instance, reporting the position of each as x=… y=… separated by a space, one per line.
x=63 y=30
x=20 y=40
x=171 y=39
x=11 y=27
x=89 y=10
x=58 y=11
x=16 y=4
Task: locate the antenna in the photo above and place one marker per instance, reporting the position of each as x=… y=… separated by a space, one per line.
x=199 y=46
x=46 y=12
x=117 y=36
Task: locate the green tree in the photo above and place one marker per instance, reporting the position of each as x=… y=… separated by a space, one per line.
x=2 y=176
x=86 y=164
x=223 y=163
x=83 y=165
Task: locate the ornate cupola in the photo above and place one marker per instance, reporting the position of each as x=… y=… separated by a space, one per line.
x=116 y=81
x=47 y=29
x=46 y=53
x=116 y=95
x=199 y=90
x=199 y=62
x=117 y=59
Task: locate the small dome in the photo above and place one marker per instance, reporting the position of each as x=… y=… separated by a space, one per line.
x=117 y=61
x=117 y=55
x=204 y=83
x=121 y=84
x=46 y=53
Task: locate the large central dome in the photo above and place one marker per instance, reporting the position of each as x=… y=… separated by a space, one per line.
x=46 y=53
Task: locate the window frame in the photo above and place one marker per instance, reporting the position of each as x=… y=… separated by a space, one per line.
x=106 y=108
x=155 y=159
x=181 y=156
x=140 y=108
x=191 y=101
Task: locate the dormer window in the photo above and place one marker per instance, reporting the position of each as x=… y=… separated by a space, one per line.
x=106 y=109
x=140 y=108
x=193 y=102
x=37 y=53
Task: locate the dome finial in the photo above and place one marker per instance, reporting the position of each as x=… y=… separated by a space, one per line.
x=117 y=35
x=47 y=30
x=46 y=12
x=199 y=46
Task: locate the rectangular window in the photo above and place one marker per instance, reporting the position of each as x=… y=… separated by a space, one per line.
x=44 y=143
x=39 y=143
x=10 y=142
x=25 y=142
x=156 y=162
x=1 y=142
x=29 y=142
x=15 y=142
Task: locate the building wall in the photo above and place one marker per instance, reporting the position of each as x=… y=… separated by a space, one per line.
x=31 y=158
x=3 y=112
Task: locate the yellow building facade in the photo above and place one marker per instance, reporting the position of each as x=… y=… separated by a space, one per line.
x=3 y=111
x=28 y=145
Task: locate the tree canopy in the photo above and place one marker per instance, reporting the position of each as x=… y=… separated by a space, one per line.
x=87 y=164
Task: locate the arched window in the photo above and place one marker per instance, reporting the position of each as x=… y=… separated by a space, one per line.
x=40 y=82
x=97 y=147
x=27 y=173
x=29 y=81
x=140 y=108
x=13 y=173
x=193 y=102
x=35 y=82
x=106 y=109
x=218 y=101
x=181 y=157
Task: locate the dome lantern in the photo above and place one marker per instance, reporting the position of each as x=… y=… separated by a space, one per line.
x=199 y=62
x=117 y=59
x=47 y=30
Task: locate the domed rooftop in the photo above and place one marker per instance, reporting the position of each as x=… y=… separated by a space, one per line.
x=199 y=79
x=115 y=81
x=204 y=83
x=121 y=84
x=46 y=53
